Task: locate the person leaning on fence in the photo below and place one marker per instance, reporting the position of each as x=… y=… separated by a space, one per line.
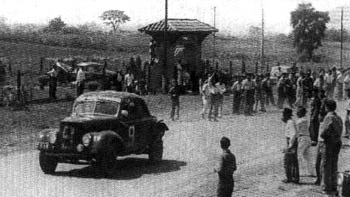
x=237 y=95
x=225 y=169
x=53 y=82
x=290 y=160
x=80 y=80
x=174 y=93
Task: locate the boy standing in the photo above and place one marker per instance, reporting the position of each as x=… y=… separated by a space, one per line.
x=175 y=100
x=227 y=166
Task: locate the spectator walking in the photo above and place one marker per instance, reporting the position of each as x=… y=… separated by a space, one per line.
x=80 y=80
x=175 y=100
x=259 y=94
x=304 y=142
x=225 y=169
x=290 y=160
x=331 y=130
x=53 y=82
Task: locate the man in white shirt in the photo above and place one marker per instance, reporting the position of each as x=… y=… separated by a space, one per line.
x=129 y=81
x=347 y=84
x=205 y=98
x=339 y=84
x=237 y=95
x=328 y=83
x=80 y=81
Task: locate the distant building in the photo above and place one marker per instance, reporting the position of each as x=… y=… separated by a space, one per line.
x=184 y=43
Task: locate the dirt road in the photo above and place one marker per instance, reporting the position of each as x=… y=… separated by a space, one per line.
x=191 y=150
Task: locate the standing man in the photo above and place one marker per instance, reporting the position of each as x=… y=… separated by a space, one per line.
x=204 y=91
x=248 y=95
x=267 y=86
x=237 y=95
x=331 y=130
x=53 y=82
x=152 y=50
x=339 y=84
x=347 y=84
x=80 y=81
x=259 y=94
x=175 y=100
x=222 y=89
x=328 y=83
x=281 y=91
x=129 y=81
x=227 y=166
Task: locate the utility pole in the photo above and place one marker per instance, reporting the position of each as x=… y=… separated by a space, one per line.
x=341 y=39
x=214 y=38
x=165 y=48
x=262 y=62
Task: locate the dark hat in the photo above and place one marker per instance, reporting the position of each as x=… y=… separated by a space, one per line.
x=287 y=112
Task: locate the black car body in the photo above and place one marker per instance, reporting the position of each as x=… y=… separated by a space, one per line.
x=102 y=126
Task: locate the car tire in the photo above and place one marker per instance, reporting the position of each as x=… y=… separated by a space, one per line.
x=155 y=154
x=47 y=163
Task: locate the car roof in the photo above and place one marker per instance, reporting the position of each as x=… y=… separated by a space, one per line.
x=83 y=64
x=107 y=95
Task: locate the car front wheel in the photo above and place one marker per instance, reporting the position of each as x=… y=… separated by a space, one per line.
x=47 y=163
x=155 y=154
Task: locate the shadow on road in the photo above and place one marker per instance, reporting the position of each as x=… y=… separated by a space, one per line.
x=129 y=168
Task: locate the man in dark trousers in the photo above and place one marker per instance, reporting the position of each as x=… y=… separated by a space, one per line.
x=53 y=82
x=227 y=166
x=267 y=86
x=330 y=132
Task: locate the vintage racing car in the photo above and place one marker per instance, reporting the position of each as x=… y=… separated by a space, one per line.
x=102 y=126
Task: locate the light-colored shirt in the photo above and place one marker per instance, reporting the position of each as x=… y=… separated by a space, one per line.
x=205 y=89
x=80 y=75
x=129 y=79
x=247 y=85
x=302 y=125
x=289 y=129
x=52 y=73
x=221 y=87
x=237 y=86
x=340 y=78
x=328 y=79
x=347 y=82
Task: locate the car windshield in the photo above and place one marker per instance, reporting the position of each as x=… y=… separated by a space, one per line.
x=96 y=108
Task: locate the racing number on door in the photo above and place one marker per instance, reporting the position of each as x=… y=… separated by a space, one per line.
x=131 y=139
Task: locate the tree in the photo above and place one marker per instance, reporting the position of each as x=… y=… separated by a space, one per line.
x=309 y=26
x=56 y=25
x=335 y=35
x=114 y=18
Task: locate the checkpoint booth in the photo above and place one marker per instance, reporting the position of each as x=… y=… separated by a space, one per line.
x=184 y=44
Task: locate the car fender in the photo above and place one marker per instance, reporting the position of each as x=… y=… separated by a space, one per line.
x=102 y=140
x=159 y=128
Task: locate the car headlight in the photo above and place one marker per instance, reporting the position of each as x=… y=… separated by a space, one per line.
x=86 y=139
x=52 y=138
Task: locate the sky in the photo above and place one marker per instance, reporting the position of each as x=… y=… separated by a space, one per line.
x=232 y=16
